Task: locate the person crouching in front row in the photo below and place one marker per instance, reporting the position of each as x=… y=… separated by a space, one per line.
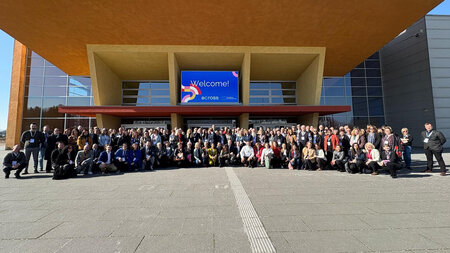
x=309 y=156
x=266 y=156
x=14 y=160
x=390 y=161
x=83 y=160
x=122 y=156
x=356 y=160
x=212 y=155
x=337 y=162
x=135 y=157
x=179 y=156
x=106 y=160
x=321 y=159
x=224 y=156
x=372 y=158
x=148 y=155
x=248 y=156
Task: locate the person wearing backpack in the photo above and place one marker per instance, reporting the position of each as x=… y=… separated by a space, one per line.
x=433 y=142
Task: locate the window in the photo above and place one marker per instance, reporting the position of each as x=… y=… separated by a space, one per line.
x=281 y=93
x=46 y=88
x=145 y=93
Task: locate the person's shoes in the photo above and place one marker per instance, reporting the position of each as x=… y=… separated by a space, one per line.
x=394 y=176
x=41 y=169
x=6 y=176
x=17 y=175
x=443 y=174
x=427 y=171
x=36 y=171
x=408 y=167
x=319 y=169
x=374 y=173
x=25 y=172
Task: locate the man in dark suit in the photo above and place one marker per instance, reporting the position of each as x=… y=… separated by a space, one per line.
x=433 y=141
x=51 y=146
x=148 y=155
x=390 y=161
x=14 y=160
x=106 y=160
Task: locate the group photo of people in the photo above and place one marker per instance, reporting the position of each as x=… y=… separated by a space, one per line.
x=86 y=151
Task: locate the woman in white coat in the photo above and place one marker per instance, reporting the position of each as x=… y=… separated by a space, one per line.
x=372 y=158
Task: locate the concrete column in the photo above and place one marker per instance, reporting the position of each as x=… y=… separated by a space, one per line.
x=311 y=119
x=16 y=96
x=174 y=84
x=309 y=87
x=243 y=120
x=106 y=89
x=176 y=120
x=107 y=121
x=245 y=79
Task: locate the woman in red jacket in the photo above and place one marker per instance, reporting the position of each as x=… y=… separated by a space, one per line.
x=329 y=143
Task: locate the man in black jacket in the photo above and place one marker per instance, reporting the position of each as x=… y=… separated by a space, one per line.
x=148 y=155
x=433 y=141
x=51 y=145
x=14 y=160
x=390 y=161
x=32 y=140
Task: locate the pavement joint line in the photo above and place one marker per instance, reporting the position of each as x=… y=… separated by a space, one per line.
x=257 y=235
x=139 y=244
x=50 y=230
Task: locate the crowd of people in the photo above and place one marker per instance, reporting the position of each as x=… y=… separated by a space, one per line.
x=86 y=151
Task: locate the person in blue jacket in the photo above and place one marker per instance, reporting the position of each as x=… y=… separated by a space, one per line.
x=123 y=158
x=136 y=158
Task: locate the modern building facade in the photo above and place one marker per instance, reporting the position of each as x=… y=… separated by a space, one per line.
x=291 y=68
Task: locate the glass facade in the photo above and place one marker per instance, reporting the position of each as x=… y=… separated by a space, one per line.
x=274 y=93
x=145 y=93
x=46 y=88
x=361 y=88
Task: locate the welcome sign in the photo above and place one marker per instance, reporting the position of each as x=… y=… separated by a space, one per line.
x=209 y=87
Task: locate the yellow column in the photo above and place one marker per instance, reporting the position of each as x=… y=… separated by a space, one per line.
x=245 y=79
x=174 y=73
x=309 y=87
x=16 y=96
x=176 y=120
x=106 y=89
x=243 y=120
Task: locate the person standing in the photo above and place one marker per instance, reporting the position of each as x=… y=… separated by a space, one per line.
x=406 y=141
x=47 y=133
x=14 y=160
x=32 y=140
x=433 y=141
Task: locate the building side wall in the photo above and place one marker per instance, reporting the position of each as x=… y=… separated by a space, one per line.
x=438 y=35
x=408 y=97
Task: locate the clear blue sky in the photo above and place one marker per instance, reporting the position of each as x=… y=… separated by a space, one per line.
x=6 y=50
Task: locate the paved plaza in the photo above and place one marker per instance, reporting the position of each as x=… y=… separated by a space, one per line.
x=195 y=210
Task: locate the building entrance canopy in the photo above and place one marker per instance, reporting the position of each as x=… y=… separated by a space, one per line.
x=166 y=111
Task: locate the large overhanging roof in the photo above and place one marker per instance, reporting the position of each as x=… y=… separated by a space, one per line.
x=351 y=30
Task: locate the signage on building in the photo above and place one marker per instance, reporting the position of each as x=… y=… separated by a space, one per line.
x=205 y=87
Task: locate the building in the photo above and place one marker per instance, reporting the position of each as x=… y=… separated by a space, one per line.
x=416 y=76
x=122 y=73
